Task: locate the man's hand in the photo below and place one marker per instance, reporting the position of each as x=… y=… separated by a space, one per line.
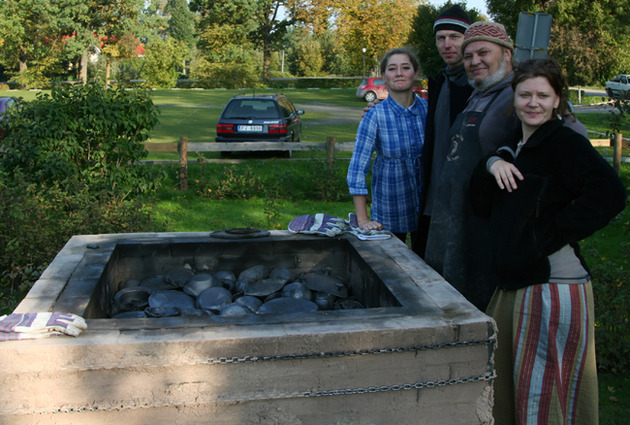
x=369 y=105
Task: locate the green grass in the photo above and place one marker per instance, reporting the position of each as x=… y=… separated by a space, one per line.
x=194 y=113
x=601 y=122
x=614 y=399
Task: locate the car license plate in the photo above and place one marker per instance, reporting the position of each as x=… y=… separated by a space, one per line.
x=258 y=128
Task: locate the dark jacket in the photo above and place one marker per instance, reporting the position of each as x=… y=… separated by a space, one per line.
x=569 y=191
x=457 y=102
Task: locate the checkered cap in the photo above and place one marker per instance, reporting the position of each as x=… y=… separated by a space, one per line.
x=487 y=31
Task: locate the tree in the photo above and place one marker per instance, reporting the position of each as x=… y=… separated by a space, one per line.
x=270 y=30
x=306 y=54
x=240 y=23
x=590 y=39
x=31 y=37
x=376 y=25
x=161 y=59
x=181 y=21
x=181 y=27
x=422 y=38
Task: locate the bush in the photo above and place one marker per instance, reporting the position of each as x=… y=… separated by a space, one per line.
x=84 y=134
x=318 y=180
x=612 y=317
x=38 y=219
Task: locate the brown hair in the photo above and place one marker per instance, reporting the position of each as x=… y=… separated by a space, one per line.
x=550 y=69
x=400 y=51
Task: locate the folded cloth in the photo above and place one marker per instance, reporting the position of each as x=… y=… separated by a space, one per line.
x=40 y=325
x=319 y=224
x=363 y=234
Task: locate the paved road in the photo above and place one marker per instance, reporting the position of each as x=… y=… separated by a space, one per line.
x=594 y=108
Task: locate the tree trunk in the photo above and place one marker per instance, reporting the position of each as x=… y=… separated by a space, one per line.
x=108 y=68
x=23 y=67
x=83 y=71
x=266 y=60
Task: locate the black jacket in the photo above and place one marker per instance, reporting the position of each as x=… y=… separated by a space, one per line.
x=458 y=97
x=569 y=191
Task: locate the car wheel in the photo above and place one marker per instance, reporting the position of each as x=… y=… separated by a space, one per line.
x=370 y=96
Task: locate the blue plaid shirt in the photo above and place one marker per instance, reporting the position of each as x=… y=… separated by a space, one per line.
x=397 y=135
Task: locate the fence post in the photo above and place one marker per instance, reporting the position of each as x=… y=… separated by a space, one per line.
x=182 y=148
x=330 y=149
x=617 y=153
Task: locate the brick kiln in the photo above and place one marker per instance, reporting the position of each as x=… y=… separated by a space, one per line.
x=417 y=353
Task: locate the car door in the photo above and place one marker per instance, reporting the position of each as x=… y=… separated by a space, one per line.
x=290 y=115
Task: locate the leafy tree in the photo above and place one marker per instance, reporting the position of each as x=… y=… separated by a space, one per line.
x=240 y=68
x=39 y=36
x=306 y=55
x=376 y=25
x=161 y=59
x=30 y=36
x=181 y=27
x=181 y=21
x=270 y=30
x=336 y=60
x=422 y=39
x=223 y=23
x=253 y=23
x=590 y=39
x=115 y=23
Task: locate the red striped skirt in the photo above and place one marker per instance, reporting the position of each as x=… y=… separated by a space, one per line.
x=545 y=358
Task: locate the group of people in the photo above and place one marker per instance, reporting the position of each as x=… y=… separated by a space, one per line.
x=496 y=182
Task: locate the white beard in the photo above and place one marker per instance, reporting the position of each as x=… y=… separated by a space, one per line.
x=493 y=79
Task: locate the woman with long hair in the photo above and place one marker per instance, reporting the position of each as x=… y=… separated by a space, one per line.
x=543 y=194
x=394 y=129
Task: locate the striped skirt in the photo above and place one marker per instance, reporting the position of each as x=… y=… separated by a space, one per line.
x=545 y=357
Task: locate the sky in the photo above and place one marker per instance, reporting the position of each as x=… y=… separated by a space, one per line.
x=474 y=4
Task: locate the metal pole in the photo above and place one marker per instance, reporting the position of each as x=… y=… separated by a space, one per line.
x=364 y=50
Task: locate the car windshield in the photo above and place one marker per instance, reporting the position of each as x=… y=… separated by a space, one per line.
x=250 y=108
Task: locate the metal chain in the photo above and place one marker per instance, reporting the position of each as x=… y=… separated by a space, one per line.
x=324 y=393
x=423 y=347
x=347 y=391
x=383 y=388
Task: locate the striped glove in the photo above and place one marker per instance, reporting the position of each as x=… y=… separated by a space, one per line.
x=40 y=325
x=319 y=224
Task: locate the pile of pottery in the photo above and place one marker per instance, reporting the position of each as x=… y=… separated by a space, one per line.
x=256 y=290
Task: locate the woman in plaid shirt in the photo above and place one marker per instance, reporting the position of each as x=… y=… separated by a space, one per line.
x=394 y=129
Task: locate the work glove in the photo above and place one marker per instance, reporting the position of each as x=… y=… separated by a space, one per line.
x=319 y=224
x=363 y=234
x=40 y=325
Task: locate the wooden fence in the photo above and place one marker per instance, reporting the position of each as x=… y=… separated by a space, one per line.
x=183 y=147
x=330 y=146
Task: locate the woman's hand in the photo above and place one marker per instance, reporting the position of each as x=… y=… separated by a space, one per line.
x=505 y=174
x=370 y=225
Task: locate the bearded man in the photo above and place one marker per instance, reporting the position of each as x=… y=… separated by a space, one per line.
x=487 y=122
